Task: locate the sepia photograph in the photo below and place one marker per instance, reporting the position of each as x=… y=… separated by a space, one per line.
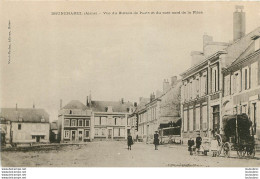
x=130 y=84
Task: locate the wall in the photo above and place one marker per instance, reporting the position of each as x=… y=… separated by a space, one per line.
x=27 y=130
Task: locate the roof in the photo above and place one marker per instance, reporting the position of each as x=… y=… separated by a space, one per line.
x=117 y=106
x=26 y=114
x=75 y=104
x=142 y=104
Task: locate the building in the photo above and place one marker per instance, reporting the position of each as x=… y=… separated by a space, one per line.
x=161 y=109
x=202 y=98
x=23 y=126
x=74 y=122
x=110 y=119
x=242 y=84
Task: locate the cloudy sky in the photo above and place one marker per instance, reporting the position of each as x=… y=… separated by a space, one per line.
x=113 y=56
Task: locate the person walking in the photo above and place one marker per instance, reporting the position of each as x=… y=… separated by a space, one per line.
x=190 y=145
x=198 y=143
x=129 y=141
x=156 y=140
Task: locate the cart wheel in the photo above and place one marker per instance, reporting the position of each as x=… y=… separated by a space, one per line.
x=226 y=149
x=241 y=152
x=251 y=152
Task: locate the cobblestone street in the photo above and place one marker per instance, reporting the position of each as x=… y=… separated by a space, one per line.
x=115 y=154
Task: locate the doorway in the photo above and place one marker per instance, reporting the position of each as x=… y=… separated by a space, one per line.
x=38 y=138
x=80 y=135
x=73 y=135
x=109 y=135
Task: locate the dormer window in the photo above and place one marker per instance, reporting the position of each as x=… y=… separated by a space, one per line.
x=42 y=119
x=256 y=38
x=109 y=109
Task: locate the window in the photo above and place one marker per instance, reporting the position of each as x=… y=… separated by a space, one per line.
x=237 y=82
x=33 y=137
x=74 y=122
x=42 y=137
x=103 y=132
x=67 y=122
x=19 y=126
x=257 y=44
x=191 y=119
x=80 y=122
x=197 y=118
x=122 y=132
x=97 y=120
x=86 y=133
x=103 y=121
x=227 y=85
x=244 y=109
x=197 y=86
x=87 y=122
x=96 y=132
x=235 y=110
x=203 y=84
x=214 y=79
x=116 y=132
x=66 y=134
x=204 y=117
x=185 y=121
x=245 y=78
x=254 y=74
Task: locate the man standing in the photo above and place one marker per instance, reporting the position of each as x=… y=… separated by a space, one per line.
x=129 y=141
x=198 y=143
x=156 y=140
x=190 y=146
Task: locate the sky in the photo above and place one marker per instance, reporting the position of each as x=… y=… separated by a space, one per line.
x=57 y=57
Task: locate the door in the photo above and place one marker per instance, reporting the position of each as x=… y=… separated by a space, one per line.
x=80 y=135
x=216 y=119
x=73 y=135
x=38 y=138
x=109 y=136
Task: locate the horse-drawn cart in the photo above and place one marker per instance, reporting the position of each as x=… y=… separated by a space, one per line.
x=237 y=136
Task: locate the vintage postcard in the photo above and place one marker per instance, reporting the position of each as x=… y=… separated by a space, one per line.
x=130 y=84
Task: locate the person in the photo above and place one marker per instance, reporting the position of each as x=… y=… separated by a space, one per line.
x=214 y=146
x=156 y=140
x=198 y=143
x=129 y=141
x=190 y=145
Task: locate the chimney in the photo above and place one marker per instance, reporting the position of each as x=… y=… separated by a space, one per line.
x=135 y=104
x=239 y=23
x=122 y=100
x=16 y=107
x=33 y=106
x=207 y=39
x=87 y=103
x=60 y=103
x=173 y=80
x=166 y=86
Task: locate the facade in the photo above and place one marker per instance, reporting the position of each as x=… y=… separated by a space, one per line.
x=26 y=126
x=205 y=97
x=74 y=123
x=157 y=112
x=110 y=119
x=242 y=86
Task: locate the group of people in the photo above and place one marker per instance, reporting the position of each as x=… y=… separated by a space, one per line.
x=155 y=141
x=192 y=147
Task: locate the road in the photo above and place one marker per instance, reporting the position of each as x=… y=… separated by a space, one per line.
x=115 y=154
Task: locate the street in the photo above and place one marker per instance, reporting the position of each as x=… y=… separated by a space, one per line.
x=115 y=154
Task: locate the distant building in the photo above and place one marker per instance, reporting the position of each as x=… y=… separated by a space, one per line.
x=158 y=111
x=74 y=123
x=110 y=119
x=26 y=125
